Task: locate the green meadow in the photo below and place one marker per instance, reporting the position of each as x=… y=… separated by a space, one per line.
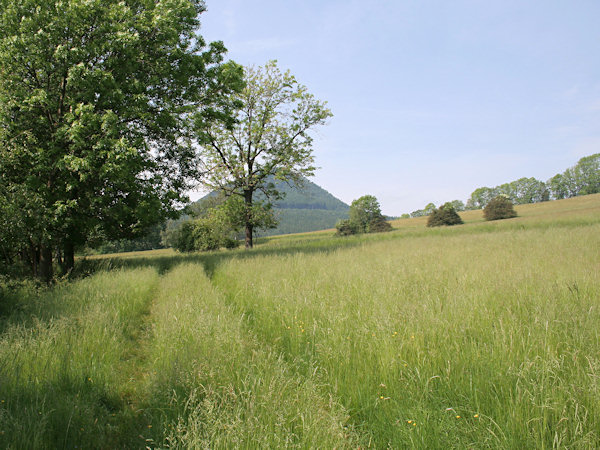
x=483 y=335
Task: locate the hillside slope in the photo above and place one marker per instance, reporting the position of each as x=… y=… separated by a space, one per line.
x=302 y=209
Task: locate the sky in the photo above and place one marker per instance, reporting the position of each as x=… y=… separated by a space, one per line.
x=431 y=99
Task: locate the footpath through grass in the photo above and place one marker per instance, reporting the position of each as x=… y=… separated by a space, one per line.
x=478 y=336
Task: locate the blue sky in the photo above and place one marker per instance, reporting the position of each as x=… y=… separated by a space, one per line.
x=431 y=99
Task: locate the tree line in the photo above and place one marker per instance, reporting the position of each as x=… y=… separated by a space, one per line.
x=581 y=179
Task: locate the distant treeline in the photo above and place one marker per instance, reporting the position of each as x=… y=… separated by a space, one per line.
x=581 y=179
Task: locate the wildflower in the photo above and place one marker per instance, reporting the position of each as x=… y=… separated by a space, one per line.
x=476 y=416
x=458 y=417
x=149 y=426
x=414 y=424
x=409 y=421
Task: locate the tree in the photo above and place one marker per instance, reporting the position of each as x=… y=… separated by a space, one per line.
x=364 y=210
x=480 y=197
x=499 y=207
x=558 y=187
x=444 y=215
x=429 y=208
x=588 y=174
x=269 y=137
x=94 y=98
x=458 y=205
x=365 y=217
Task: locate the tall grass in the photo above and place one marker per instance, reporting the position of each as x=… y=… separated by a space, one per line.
x=478 y=339
x=478 y=336
x=219 y=387
x=62 y=361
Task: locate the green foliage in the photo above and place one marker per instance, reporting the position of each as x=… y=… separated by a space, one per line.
x=219 y=225
x=445 y=215
x=457 y=205
x=499 y=207
x=203 y=234
x=94 y=100
x=520 y=192
x=302 y=208
x=217 y=228
x=379 y=225
x=581 y=179
x=365 y=217
x=346 y=227
x=364 y=210
x=269 y=138
x=429 y=208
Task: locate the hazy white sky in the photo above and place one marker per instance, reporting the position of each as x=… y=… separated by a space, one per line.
x=431 y=99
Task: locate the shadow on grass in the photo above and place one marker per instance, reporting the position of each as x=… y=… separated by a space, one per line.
x=211 y=260
x=70 y=412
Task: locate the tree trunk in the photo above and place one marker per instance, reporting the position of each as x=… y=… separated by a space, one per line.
x=33 y=258
x=69 y=256
x=249 y=225
x=249 y=242
x=46 y=272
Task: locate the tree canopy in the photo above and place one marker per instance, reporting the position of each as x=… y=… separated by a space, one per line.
x=365 y=217
x=581 y=179
x=94 y=101
x=267 y=137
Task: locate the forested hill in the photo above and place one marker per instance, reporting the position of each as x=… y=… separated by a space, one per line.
x=308 y=208
x=309 y=196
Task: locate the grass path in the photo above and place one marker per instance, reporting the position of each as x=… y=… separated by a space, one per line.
x=223 y=387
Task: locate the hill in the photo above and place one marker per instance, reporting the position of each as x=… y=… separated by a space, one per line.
x=302 y=209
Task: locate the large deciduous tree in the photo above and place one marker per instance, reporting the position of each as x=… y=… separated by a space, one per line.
x=269 y=137
x=94 y=98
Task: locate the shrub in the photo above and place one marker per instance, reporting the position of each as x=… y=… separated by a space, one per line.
x=231 y=243
x=346 y=228
x=445 y=215
x=499 y=207
x=379 y=225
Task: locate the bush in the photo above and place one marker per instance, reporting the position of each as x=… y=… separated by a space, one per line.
x=379 y=225
x=346 y=228
x=231 y=243
x=202 y=235
x=445 y=215
x=499 y=207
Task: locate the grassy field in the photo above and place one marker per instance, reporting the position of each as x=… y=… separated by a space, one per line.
x=484 y=335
